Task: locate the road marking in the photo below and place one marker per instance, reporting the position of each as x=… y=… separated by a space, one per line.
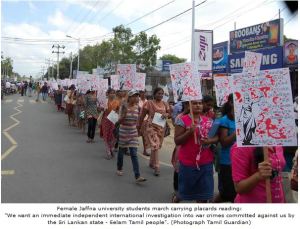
x=7 y=152
x=7 y=135
x=8 y=100
x=10 y=138
x=43 y=101
x=7 y=172
x=20 y=101
x=32 y=101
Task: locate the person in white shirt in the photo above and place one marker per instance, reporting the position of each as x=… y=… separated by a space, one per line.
x=7 y=87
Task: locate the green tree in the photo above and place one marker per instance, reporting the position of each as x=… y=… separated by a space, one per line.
x=146 y=49
x=64 y=68
x=122 y=45
x=124 y=48
x=6 y=66
x=88 y=58
x=173 y=58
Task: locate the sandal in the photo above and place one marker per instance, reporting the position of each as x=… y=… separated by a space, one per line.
x=175 y=199
x=119 y=172
x=88 y=141
x=151 y=166
x=156 y=172
x=140 y=179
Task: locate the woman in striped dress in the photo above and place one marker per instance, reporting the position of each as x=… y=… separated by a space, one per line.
x=128 y=134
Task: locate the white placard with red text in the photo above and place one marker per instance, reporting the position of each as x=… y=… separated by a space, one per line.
x=102 y=88
x=139 y=81
x=252 y=63
x=115 y=82
x=222 y=89
x=264 y=111
x=185 y=82
x=127 y=74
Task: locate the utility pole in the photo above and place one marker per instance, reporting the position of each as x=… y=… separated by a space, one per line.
x=193 y=33
x=58 y=52
x=78 y=40
x=43 y=70
x=52 y=68
x=48 y=64
x=71 y=69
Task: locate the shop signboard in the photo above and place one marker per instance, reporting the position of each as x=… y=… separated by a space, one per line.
x=166 y=65
x=220 y=57
x=203 y=51
x=264 y=35
x=291 y=53
x=272 y=58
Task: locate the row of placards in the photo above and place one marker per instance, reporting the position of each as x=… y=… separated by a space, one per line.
x=126 y=79
x=263 y=104
x=262 y=99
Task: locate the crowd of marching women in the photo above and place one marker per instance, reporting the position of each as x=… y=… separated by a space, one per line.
x=204 y=142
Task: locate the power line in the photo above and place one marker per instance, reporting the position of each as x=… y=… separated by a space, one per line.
x=84 y=19
x=96 y=37
x=135 y=20
x=151 y=12
x=84 y=16
x=241 y=13
x=291 y=18
x=171 y=18
x=116 y=7
x=34 y=40
x=228 y=15
x=235 y=16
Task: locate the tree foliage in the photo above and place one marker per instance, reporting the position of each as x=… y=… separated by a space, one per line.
x=6 y=66
x=124 y=48
x=173 y=58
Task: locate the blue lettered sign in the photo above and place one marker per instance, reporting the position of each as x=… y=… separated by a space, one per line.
x=272 y=58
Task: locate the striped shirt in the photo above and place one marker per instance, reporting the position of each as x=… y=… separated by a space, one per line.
x=128 y=134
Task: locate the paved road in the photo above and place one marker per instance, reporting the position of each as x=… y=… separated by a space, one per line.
x=51 y=163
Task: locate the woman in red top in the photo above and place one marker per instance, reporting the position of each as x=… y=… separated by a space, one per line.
x=196 y=159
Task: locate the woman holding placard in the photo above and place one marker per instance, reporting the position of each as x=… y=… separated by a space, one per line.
x=128 y=135
x=157 y=111
x=91 y=114
x=249 y=172
x=196 y=180
x=106 y=126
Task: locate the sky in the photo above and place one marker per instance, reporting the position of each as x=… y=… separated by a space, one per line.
x=46 y=23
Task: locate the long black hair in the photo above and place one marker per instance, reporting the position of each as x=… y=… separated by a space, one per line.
x=157 y=90
x=110 y=90
x=228 y=105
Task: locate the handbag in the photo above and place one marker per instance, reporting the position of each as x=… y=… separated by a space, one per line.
x=167 y=130
x=167 y=127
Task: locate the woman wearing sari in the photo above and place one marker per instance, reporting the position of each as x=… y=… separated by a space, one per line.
x=154 y=134
x=106 y=126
